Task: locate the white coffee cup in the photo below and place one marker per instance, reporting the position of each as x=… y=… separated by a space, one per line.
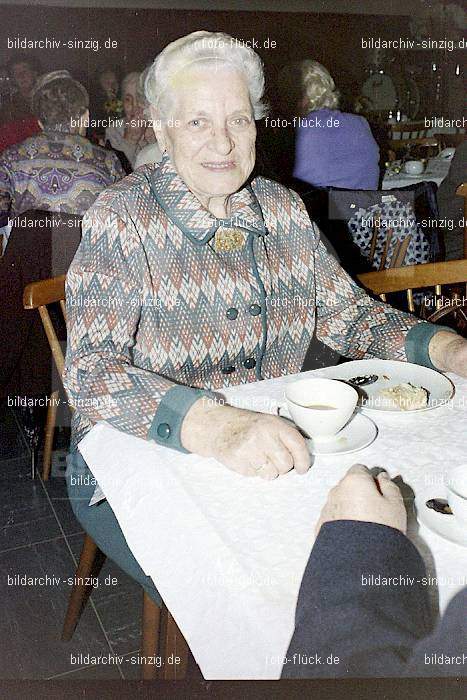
x=414 y=167
x=456 y=492
x=320 y=407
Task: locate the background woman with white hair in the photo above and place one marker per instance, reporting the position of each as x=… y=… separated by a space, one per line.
x=131 y=133
x=332 y=148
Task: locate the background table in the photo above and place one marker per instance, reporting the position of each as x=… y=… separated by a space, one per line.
x=436 y=170
x=227 y=553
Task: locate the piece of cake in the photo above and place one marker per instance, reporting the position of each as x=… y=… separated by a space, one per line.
x=405 y=397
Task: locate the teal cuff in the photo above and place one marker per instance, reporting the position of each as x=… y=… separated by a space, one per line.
x=417 y=341
x=167 y=423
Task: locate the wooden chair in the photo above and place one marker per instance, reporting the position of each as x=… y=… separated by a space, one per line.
x=160 y=634
x=397 y=254
x=427 y=146
x=406 y=279
x=462 y=192
x=38 y=295
x=408 y=136
x=450 y=140
x=402 y=131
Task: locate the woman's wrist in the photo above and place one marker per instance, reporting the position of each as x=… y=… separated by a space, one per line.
x=444 y=349
x=199 y=426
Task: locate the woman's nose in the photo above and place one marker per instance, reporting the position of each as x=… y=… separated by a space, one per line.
x=221 y=141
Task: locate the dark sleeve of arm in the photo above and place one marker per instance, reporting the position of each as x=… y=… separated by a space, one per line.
x=362 y=599
x=444 y=653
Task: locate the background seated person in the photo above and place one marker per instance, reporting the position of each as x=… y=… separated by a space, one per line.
x=131 y=134
x=332 y=148
x=17 y=121
x=59 y=169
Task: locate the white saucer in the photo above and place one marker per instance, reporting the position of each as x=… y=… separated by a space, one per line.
x=357 y=434
x=446 y=526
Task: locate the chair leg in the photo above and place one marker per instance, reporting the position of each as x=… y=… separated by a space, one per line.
x=172 y=645
x=49 y=434
x=90 y=563
x=150 y=635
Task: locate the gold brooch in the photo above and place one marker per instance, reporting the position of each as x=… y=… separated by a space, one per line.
x=227 y=239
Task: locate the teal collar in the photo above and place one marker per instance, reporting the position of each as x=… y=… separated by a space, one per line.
x=189 y=215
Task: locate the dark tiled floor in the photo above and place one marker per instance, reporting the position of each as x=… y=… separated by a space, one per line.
x=40 y=538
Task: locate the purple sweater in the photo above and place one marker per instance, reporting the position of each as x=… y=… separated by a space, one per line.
x=336 y=149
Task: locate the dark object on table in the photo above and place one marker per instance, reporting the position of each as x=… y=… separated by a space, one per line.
x=440 y=505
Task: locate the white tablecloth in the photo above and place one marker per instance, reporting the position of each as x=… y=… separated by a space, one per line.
x=227 y=553
x=436 y=170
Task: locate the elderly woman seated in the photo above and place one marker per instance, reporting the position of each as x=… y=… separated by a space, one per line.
x=191 y=276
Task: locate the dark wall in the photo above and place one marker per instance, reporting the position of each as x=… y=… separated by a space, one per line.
x=335 y=40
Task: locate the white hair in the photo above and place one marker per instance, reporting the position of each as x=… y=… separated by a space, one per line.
x=319 y=90
x=203 y=47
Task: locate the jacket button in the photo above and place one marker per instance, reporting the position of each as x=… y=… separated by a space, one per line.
x=232 y=313
x=228 y=370
x=163 y=430
x=254 y=309
x=249 y=363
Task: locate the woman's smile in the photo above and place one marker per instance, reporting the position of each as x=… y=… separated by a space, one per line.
x=219 y=165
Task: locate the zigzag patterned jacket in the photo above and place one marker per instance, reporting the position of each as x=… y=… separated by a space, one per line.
x=157 y=316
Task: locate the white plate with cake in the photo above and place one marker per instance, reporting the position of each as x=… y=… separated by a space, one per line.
x=392 y=386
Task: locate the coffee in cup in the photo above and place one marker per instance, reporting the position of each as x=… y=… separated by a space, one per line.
x=320 y=407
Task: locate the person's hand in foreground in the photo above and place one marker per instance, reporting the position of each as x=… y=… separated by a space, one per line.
x=360 y=496
x=249 y=443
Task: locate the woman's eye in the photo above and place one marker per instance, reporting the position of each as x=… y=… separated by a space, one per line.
x=196 y=123
x=240 y=121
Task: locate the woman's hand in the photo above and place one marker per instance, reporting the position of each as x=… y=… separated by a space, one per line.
x=359 y=496
x=448 y=352
x=250 y=443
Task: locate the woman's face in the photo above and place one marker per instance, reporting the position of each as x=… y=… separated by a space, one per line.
x=24 y=77
x=211 y=140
